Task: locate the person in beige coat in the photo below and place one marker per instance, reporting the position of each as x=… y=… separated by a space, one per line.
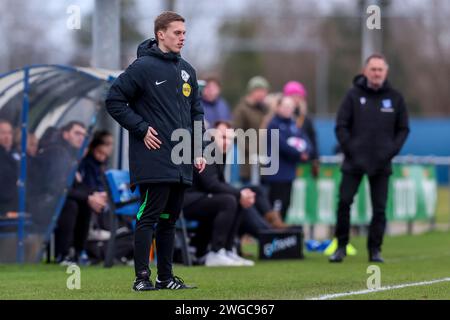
x=249 y=114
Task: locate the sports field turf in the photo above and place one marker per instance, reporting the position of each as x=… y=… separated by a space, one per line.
x=409 y=259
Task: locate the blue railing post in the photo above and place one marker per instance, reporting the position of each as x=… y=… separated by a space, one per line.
x=23 y=170
x=120 y=153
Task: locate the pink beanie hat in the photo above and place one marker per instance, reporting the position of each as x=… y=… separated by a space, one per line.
x=293 y=88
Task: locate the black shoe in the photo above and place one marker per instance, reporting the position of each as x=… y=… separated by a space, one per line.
x=338 y=255
x=143 y=282
x=143 y=285
x=375 y=256
x=175 y=283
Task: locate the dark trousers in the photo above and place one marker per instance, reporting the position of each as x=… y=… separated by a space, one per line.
x=378 y=193
x=218 y=218
x=280 y=192
x=252 y=222
x=222 y=219
x=72 y=227
x=252 y=219
x=262 y=201
x=160 y=208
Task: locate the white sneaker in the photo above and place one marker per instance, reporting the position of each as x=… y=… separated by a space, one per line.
x=220 y=259
x=244 y=262
x=99 y=235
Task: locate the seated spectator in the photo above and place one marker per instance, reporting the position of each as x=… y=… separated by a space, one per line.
x=93 y=165
x=214 y=106
x=53 y=169
x=33 y=169
x=260 y=216
x=58 y=155
x=50 y=137
x=212 y=201
x=294 y=147
x=92 y=169
x=73 y=222
x=9 y=168
x=32 y=143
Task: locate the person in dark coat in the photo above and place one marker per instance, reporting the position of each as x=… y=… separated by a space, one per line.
x=223 y=210
x=72 y=225
x=156 y=95
x=294 y=148
x=50 y=171
x=304 y=121
x=371 y=127
x=9 y=170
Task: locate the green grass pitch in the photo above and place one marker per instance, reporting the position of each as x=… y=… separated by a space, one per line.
x=409 y=259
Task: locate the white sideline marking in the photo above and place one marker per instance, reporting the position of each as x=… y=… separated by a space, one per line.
x=414 y=258
x=400 y=286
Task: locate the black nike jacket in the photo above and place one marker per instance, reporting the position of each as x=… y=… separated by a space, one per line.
x=158 y=90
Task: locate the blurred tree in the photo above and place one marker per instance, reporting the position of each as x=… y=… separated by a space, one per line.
x=267 y=36
x=341 y=35
x=239 y=64
x=291 y=33
x=415 y=39
x=418 y=49
x=23 y=35
x=130 y=36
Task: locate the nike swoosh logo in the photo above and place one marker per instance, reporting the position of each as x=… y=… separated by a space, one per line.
x=158 y=83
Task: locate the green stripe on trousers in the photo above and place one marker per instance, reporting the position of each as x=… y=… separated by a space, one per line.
x=142 y=207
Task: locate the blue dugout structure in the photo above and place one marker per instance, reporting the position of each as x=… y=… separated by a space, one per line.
x=38 y=100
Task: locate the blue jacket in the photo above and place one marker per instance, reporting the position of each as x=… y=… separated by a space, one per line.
x=215 y=111
x=289 y=155
x=91 y=171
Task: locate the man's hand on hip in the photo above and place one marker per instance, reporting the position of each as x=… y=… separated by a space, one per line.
x=150 y=139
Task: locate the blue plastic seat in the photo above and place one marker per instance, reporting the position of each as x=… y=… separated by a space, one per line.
x=123 y=201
